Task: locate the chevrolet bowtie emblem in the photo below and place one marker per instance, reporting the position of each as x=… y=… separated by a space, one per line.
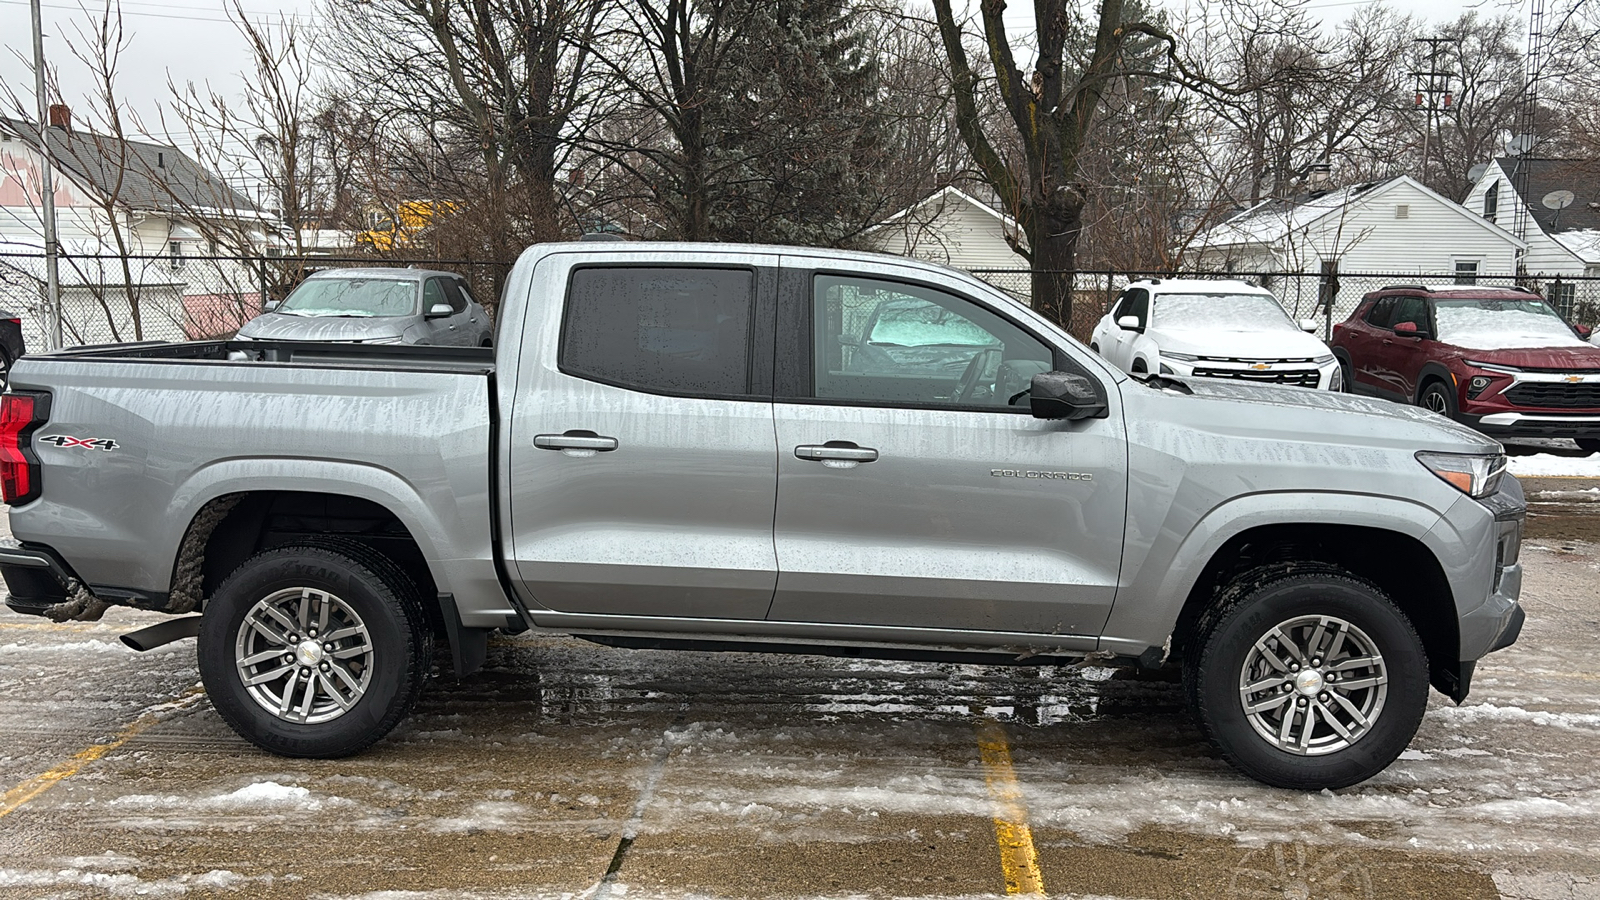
x=1260 y=366
x=1574 y=379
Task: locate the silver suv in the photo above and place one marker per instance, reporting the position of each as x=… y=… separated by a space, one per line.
x=377 y=306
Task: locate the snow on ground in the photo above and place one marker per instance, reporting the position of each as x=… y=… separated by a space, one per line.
x=1546 y=464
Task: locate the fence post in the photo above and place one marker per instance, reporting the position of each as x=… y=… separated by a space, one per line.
x=262 y=268
x=1106 y=306
x=1327 y=292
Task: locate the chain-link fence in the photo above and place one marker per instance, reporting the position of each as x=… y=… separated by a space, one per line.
x=125 y=298
x=108 y=299
x=1576 y=298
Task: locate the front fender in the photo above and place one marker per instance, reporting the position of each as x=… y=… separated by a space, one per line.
x=1154 y=588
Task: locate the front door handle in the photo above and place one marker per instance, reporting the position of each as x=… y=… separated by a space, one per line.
x=576 y=443
x=841 y=452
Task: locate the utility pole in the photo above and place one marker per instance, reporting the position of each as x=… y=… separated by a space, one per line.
x=1432 y=84
x=52 y=248
x=1525 y=142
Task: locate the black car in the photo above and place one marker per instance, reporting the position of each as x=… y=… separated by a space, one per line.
x=11 y=346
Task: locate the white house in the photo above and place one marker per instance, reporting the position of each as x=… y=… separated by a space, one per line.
x=1396 y=226
x=952 y=227
x=1554 y=205
x=132 y=221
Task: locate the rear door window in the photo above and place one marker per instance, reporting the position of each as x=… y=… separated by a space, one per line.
x=678 y=331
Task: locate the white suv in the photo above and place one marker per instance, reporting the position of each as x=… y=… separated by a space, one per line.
x=1213 y=329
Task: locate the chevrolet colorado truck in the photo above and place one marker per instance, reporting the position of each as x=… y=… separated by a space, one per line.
x=706 y=447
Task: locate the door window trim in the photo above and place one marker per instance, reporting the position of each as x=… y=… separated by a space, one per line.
x=793 y=363
x=760 y=340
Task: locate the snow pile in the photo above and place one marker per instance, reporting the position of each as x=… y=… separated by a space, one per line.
x=264 y=795
x=120 y=883
x=1548 y=464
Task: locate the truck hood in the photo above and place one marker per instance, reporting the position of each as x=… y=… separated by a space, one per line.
x=279 y=327
x=1266 y=343
x=1295 y=414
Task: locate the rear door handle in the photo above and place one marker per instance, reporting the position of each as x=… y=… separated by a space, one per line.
x=576 y=440
x=836 y=451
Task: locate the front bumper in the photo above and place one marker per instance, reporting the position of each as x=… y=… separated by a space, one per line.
x=1536 y=424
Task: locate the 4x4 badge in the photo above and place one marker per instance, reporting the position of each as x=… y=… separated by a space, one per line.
x=67 y=441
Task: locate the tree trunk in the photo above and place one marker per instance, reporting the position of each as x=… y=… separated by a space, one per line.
x=1054 y=241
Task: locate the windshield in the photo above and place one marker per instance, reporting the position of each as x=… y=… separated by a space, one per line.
x=356 y=297
x=918 y=323
x=1221 y=312
x=1500 y=324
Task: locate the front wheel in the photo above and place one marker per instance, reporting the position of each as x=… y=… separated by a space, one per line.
x=1308 y=680
x=314 y=651
x=1436 y=398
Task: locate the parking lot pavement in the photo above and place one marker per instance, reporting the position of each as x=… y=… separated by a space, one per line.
x=568 y=769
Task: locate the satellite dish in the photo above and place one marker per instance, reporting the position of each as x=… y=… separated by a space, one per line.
x=1476 y=172
x=1558 y=199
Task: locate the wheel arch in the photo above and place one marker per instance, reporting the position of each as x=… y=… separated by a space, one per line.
x=1435 y=371
x=1420 y=588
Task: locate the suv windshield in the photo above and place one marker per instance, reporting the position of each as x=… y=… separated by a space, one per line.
x=359 y=297
x=1502 y=323
x=1221 y=312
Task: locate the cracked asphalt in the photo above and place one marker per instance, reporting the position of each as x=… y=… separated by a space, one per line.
x=567 y=769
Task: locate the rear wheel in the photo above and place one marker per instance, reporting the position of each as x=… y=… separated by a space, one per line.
x=314 y=651
x=5 y=369
x=1308 y=680
x=1435 y=397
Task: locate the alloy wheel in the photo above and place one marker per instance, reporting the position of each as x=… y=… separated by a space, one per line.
x=304 y=655
x=1313 y=685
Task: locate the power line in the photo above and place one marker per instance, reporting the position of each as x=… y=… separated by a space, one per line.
x=299 y=17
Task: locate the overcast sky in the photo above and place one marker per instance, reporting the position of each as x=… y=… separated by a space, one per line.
x=192 y=40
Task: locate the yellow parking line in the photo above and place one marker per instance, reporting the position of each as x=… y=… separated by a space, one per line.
x=38 y=784
x=1019 y=861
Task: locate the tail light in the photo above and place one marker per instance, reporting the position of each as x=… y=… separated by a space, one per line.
x=20 y=415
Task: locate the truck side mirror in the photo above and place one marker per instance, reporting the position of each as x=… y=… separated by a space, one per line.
x=1065 y=395
x=439 y=311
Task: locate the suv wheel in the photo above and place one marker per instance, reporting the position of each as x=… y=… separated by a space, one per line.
x=1307 y=679
x=315 y=651
x=1436 y=398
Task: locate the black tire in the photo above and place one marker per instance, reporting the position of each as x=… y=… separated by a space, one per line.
x=1436 y=397
x=1139 y=368
x=5 y=369
x=1095 y=347
x=391 y=665
x=1589 y=445
x=1272 y=598
x=1347 y=384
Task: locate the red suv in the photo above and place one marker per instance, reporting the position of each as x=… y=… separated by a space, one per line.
x=1498 y=359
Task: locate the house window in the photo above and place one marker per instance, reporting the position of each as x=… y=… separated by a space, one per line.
x=1563 y=296
x=1491 y=201
x=175 y=253
x=1466 y=271
x=1402 y=210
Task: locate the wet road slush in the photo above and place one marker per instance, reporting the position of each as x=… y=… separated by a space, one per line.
x=567 y=769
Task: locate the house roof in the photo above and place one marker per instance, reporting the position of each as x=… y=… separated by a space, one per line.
x=1544 y=177
x=1271 y=221
x=938 y=197
x=153 y=177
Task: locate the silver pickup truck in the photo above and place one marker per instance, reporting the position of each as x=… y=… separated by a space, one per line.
x=762 y=448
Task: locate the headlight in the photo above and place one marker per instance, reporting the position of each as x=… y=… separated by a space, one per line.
x=1322 y=360
x=1494 y=367
x=1475 y=476
x=1180 y=357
